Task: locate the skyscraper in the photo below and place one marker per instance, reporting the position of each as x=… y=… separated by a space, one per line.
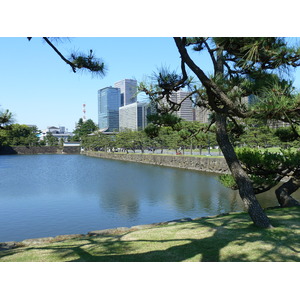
x=134 y=116
x=128 y=88
x=186 y=110
x=109 y=101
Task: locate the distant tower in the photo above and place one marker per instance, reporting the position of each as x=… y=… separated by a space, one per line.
x=83 y=110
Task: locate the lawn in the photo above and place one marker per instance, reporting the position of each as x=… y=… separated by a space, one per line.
x=225 y=238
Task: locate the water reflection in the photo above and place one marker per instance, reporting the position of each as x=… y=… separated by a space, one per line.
x=47 y=195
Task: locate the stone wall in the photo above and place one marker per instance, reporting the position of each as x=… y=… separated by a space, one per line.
x=205 y=164
x=72 y=149
x=39 y=150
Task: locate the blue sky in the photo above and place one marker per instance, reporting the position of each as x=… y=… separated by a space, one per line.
x=40 y=89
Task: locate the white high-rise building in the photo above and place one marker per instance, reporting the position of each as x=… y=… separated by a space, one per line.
x=128 y=88
x=133 y=116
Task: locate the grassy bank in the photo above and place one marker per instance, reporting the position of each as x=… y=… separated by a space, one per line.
x=230 y=237
x=168 y=154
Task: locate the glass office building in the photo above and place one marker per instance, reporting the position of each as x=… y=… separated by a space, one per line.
x=109 y=101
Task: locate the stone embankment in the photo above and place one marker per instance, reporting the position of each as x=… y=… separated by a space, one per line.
x=204 y=164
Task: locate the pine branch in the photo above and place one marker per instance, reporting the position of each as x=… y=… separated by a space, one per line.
x=60 y=55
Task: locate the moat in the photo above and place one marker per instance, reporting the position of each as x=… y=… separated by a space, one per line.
x=49 y=195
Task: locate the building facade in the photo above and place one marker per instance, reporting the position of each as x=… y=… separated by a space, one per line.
x=134 y=116
x=59 y=132
x=202 y=114
x=186 y=110
x=128 y=88
x=109 y=101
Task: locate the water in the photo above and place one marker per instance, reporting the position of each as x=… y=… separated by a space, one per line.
x=49 y=195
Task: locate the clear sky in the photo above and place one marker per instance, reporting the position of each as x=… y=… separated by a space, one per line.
x=40 y=89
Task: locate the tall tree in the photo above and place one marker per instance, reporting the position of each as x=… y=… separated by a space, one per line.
x=242 y=67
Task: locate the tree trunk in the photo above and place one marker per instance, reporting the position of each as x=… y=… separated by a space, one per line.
x=283 y=193
x=244 y=184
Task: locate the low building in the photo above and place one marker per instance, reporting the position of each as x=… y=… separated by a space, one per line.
x=59 y=132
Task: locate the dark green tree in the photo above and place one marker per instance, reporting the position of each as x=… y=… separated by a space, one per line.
x=126 y=140
x=242 y=67
x=197 y=134
x=141 y=140
x=96 y=142
x=19 y=135
x=266 y=170
x=84 y=128
x=6 y=119
x=51 y=140
x=287 y=136
x=257 y=133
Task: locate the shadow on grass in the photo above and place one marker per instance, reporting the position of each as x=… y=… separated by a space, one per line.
x=230 y=239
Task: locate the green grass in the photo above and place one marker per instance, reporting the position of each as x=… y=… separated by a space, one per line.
x=225 y=238
x=168 y=154
x=276 y=149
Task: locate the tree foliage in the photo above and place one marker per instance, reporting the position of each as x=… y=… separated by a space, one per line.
x=19 y=135
x=6 y=118
x=79 y=61
x=51 y=140
x=266 y=170
x=96 y=142
x=84 y=128
x=243 y=66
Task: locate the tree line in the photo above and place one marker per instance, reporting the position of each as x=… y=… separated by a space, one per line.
x=185 y=136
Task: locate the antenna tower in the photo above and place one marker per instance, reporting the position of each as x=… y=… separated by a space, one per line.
x=83 y=110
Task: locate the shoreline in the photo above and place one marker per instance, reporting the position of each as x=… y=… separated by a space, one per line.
x=210 y=164
x=102 y=232
x=110 y=231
